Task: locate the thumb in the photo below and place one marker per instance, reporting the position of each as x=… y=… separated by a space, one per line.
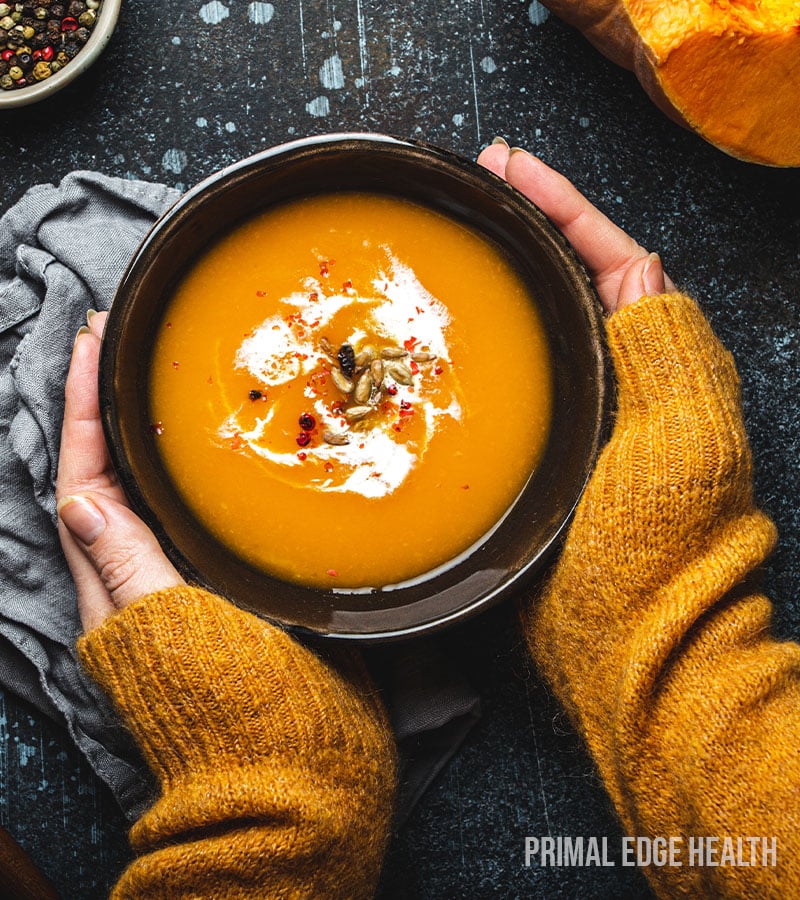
x=644 y=277
x=121 y=548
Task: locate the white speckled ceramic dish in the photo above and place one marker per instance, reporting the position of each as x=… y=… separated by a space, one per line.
x=101 y=34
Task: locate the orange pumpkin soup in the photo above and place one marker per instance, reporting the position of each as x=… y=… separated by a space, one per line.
x=350 y=390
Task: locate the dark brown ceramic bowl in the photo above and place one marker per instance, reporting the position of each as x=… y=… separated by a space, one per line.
x=515 y=550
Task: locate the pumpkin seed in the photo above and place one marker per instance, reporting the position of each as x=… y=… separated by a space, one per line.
x=376 y=372
x=423 y=357
x=363 y=388
x=356 y=412
x=328 y=351
x=337 y=438
x=393 y=353
x=341 y=381
x=400 y=372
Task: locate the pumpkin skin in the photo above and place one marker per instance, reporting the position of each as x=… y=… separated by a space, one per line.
x=727 y=69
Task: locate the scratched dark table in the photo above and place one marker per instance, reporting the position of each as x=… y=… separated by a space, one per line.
x=185 y=88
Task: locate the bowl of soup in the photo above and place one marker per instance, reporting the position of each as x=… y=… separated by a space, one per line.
x=355 y=384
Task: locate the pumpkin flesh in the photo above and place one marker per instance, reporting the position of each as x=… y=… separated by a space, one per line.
x=728 y=69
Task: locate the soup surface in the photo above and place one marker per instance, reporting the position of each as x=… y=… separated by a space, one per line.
x=350 y=390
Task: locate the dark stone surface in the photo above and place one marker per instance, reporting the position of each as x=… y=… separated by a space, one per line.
x=175 y=97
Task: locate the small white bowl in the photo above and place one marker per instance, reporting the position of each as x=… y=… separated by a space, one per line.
x=101 y=34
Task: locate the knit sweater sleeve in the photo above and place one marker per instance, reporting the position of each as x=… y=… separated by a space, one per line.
x=276 y=769
x=652 y=633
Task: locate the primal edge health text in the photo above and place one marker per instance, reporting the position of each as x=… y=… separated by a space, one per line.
x=646 y=851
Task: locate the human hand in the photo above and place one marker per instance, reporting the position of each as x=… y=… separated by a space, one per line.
x=621 y=270
x=113 y=556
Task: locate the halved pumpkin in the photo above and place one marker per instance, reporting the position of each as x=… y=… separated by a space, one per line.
x=727 y=69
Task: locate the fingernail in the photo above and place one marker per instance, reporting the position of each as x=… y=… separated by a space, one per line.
x=653 y=275
x=520 y=150
x=90 y=314
x=500 y=140
x=84 y=329
x=82 y=518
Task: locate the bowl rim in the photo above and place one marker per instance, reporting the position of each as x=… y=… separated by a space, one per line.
x=100 y=36
x=513 y=580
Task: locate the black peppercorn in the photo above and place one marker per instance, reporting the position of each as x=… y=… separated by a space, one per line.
x=255 y=395
x=347 y=359
x=76 y=8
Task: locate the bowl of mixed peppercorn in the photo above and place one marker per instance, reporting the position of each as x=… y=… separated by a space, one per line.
x=46 y=44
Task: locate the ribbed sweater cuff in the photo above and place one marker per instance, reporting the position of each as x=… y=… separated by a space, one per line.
x=200 y=683
x=664 y=349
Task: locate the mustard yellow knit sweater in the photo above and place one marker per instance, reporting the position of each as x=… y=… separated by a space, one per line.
x=650 y=630
x=276 y=768
x=277 y=771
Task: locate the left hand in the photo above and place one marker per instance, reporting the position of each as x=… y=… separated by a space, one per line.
x=113 y=556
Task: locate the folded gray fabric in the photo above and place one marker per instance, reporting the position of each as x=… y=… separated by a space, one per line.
x=431 y=708
x=62 y=251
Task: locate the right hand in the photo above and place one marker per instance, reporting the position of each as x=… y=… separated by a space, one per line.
x=622 y=270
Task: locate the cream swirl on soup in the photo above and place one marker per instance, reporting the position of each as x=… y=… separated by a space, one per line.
x=393 y=312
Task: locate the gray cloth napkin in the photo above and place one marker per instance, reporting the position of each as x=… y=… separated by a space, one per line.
x=63 y=250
